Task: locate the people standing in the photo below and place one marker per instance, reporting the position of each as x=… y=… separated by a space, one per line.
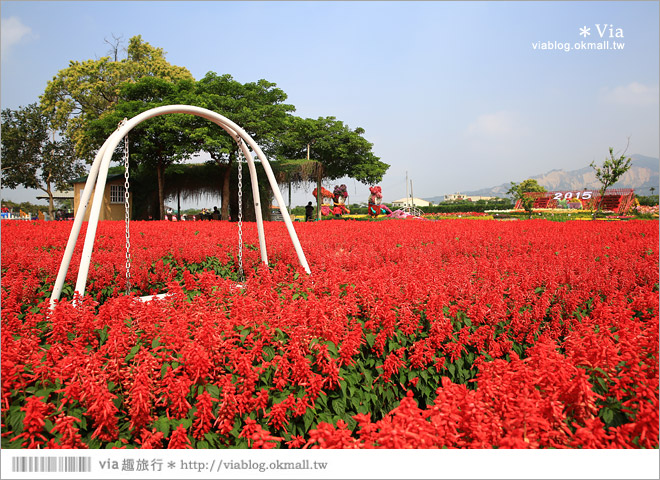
x=309 y=212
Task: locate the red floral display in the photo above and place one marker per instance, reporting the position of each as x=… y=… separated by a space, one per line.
x=529 y=334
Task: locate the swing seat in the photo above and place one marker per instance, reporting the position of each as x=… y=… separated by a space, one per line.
x=149 y=298
x=160 y=296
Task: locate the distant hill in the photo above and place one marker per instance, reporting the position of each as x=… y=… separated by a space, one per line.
x=643 y=174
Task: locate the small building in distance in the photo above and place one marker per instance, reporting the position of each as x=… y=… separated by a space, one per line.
x=58 y=195
x=417 y=202
x=112 y=207
x=467 y=198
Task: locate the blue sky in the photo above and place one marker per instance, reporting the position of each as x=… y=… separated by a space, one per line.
x=453 y=93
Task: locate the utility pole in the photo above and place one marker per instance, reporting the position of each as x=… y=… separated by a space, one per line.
x=407 y=195
x=412 y=198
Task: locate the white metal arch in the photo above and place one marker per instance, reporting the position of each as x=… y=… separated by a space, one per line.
x=99 y=172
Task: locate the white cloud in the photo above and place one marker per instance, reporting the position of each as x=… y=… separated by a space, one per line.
x=13 y=31
x=498 y=124
x=499 y=138
x=634 y=94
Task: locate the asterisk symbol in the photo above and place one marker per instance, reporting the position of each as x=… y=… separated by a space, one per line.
x=584 y=31
x=171 y=464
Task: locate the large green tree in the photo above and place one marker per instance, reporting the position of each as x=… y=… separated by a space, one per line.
x=337 y=150
x=34 y=155
x=157 y=142
x=84 y=90
x=518 y=191
x=257 y=107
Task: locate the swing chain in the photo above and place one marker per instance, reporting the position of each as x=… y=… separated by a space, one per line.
x=127 y=214
x=241 y=276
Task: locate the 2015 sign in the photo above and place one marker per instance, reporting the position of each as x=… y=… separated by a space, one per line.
x=584 y=195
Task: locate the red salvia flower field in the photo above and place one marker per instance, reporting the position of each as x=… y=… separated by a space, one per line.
x=408 y=334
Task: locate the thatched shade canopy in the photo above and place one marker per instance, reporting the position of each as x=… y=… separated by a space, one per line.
x=194 y=181
x=296 y=172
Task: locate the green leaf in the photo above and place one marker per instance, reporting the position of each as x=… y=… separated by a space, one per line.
x=269 y=352
x=363 y=409
x=48 y=425
x=103 y=335
x=322 y=402
x=308 y=418
x=339 y=406
x=133 y=352
x=162 y=424
x=607 y=415
x=15 y=418
x=213 y=390
x=351 y=423
x=185 y=422
x=367 y=377
x=332 y=348
x=212 y=439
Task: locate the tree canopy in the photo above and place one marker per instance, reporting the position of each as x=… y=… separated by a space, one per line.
x=86 y=101
x=257 y=107
x=518 y=191
x=85 y=90
x=157 y=142
x=334 y=147
x=162 y=141
x=33 y=155
x=342 y=152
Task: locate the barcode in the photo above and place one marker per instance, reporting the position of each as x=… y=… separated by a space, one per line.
x=51 y=464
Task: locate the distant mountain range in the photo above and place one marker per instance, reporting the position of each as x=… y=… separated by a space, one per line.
x=643 y=174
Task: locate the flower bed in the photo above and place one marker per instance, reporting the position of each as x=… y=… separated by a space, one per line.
x=647 y=210
x=407 y=334
x=455 y=215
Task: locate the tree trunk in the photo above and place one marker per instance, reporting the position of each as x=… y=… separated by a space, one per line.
x=178 y=204
x=226 y=186
x=600 y=201
x=224 y=211
x=319 y=195
x=160 y=172
x=49 y=191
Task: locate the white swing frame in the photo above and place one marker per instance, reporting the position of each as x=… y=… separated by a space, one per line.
x=97 y=181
